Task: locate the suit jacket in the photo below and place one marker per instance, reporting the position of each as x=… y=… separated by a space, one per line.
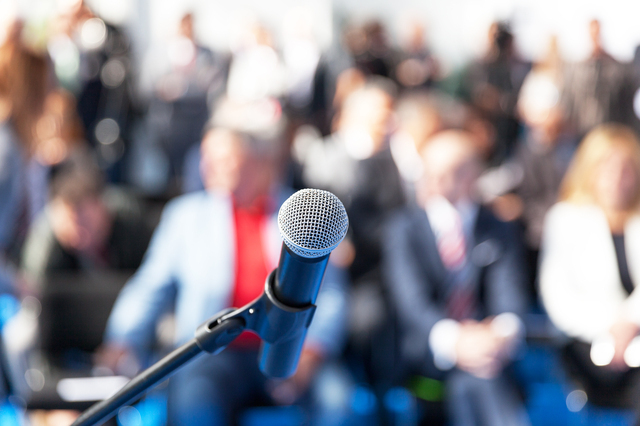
x=419 y=283
x=542 y=171
x=43 y=254
x=579 y=277
x=378 y=192
x=598 y=90
x=190 y=262
x=11 y=184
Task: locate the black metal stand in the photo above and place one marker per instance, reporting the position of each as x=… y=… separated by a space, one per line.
x=274 y=322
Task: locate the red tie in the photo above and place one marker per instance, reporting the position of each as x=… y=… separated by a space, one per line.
x=451 y=246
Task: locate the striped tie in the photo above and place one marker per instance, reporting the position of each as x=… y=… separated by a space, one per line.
x=446 y=223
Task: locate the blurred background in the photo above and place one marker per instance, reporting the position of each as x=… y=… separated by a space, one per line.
x=112 y=110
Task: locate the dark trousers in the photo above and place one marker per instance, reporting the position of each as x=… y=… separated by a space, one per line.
x=472 y=401
x=604 y=386
x=211 y=390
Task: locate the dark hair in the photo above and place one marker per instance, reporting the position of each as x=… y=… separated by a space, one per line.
x=503 y=37
x=76 y=179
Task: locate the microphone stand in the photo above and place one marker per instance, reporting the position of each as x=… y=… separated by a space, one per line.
x=263 y=316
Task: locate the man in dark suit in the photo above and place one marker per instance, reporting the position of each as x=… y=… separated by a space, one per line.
x=456 y=277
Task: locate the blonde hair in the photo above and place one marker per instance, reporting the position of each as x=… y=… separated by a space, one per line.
x=578 y=185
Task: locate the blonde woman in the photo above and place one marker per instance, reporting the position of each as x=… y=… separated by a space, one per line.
x=590 y=262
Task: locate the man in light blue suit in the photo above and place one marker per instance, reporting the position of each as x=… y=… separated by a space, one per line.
x=211 y=251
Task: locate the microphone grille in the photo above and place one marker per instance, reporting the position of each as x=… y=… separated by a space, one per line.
x=312 y=222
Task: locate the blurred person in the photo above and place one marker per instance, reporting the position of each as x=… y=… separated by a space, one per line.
x=418 y=118
x=417 y=66
x=181 y=80
x=24 y=84
x=552 y=64
x=599 y=89
x=213 y=249
x=483 y=132
x=369 y=47
x=257 y=70
x=347 y=82
x=361 y=131
x=588 y=273
x=25 y=79
x=84 y=226
x=301 y=57
x=527 y=185
x=455 y=274
x=494 y=83
x=262 y=118
x=58 y=132
x=356 y=163
x=92 y=60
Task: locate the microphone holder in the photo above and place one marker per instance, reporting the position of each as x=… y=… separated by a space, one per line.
x=269 y=318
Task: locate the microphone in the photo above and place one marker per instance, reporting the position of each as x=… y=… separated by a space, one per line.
x=312 y=223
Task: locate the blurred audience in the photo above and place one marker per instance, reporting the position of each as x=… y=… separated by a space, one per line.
x=456 y=276
x=213 y=249
x=588 y=258
x=435 y=242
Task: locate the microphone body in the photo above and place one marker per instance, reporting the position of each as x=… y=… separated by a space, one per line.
x=312 y=223
x=294 y=284
x=298 y=278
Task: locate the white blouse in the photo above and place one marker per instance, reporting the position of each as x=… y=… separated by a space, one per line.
x=580 y=281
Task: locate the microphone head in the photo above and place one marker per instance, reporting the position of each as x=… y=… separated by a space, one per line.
x=312 y=222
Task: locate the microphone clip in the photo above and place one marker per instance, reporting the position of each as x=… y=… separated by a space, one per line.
x=274 y=321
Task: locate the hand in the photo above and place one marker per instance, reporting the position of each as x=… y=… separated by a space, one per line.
x=288 y=391
x=623 y=333
x=117 y=358
x=508 y=207
x=480 y=351
x=53 y=417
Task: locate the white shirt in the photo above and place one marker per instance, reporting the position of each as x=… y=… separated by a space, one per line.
x=580 y=280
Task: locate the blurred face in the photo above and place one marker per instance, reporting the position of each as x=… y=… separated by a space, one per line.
x=80 y=227
x=594 y=33
x=186 y=27
x=450 y=172
x=616 y=182
x=228 y=166
x=483 y=136
x=222 y=160
x=369 y=114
